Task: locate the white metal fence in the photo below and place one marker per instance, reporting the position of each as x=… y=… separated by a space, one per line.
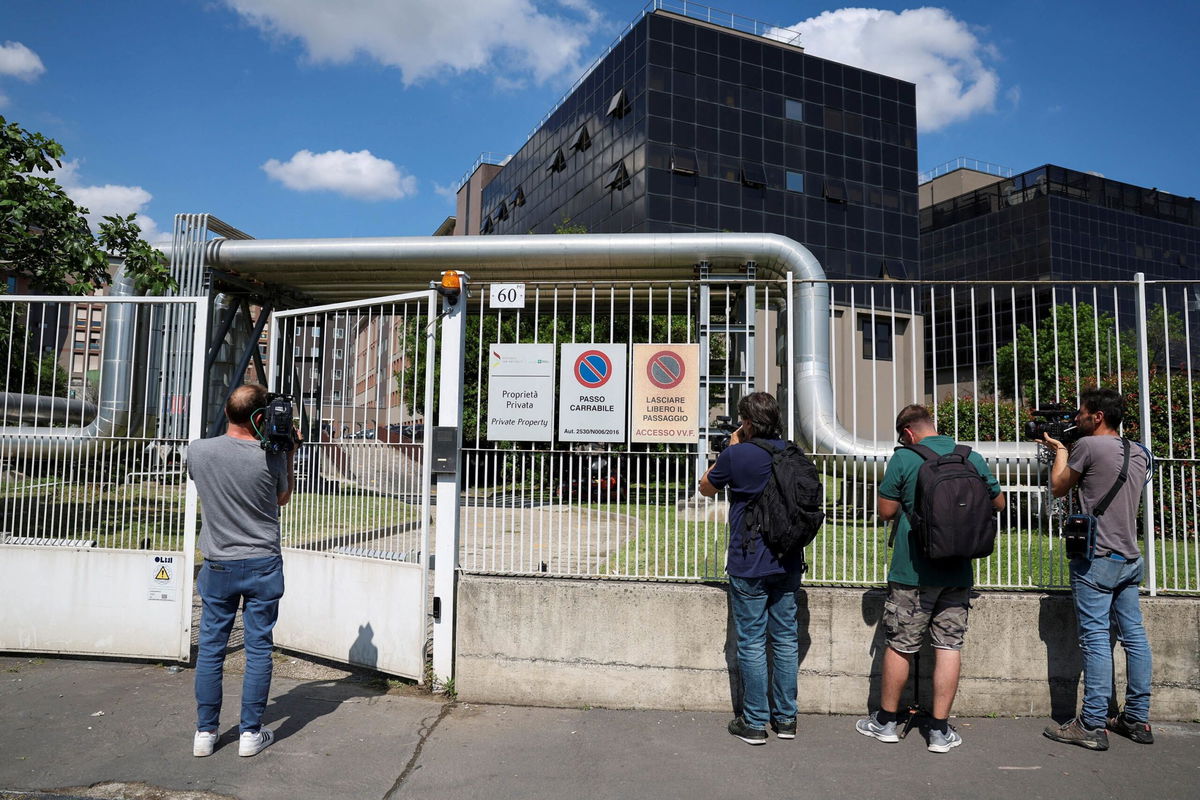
x=358 y=374
x=97 y=519
x=982 y=355
x=97 y=406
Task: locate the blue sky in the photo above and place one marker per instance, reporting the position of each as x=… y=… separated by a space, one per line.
x=354 y=118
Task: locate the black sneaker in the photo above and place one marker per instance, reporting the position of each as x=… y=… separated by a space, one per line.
x=1131 y=729
x=1074 y=732
x=749 y=735
x=784 y=728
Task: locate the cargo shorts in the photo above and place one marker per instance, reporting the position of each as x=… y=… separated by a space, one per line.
x=909 y=611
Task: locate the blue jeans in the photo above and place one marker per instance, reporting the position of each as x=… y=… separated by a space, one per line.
x=223 y=586
x=765 y=608
x=1106 y=594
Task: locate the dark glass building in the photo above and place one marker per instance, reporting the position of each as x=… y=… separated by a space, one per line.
x=1051 y=224
x=689 y=126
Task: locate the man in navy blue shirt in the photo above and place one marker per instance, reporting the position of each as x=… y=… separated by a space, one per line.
x=762 y=589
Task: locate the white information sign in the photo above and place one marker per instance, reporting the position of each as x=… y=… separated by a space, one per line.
x=507 y=295
x=162 y=578
x=521 y=393
x=666 y=393
x=591 y=403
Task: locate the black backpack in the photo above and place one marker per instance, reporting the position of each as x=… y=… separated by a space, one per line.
x=953 y=515
x=787 y=514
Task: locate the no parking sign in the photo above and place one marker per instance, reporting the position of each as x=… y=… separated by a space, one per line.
x=666 y=393
x=591 y=405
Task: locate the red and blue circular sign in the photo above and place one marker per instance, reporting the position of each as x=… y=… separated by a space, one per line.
x=593 y=369
x=665 y=369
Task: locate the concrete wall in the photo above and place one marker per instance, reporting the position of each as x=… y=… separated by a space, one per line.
x=667 y=646
x=952 y=184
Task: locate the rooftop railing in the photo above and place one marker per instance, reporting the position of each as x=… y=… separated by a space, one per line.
x=962 y=162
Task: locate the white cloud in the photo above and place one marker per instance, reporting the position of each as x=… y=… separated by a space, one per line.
x=926 y=46
x=428 y=38
x=449 y=191
x=110 y=199
x=18 y=61
x=360 y=175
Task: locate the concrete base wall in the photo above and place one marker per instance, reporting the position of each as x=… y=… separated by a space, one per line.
x=619 y=644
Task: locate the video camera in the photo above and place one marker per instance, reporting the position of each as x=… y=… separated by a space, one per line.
x=721 y=430
x=278 y=432
x=1057 y=423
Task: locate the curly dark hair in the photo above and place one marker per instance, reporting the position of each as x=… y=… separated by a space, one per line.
x=762 y=412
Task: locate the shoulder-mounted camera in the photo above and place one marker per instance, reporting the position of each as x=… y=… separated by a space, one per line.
x=278 y=430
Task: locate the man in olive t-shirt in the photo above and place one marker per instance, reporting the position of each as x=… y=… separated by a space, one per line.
x=923 y=595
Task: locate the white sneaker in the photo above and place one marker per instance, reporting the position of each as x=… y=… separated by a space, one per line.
x=251 y=744
x=203 y=743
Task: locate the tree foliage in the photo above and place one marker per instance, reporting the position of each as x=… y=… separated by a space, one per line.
x=44 y=234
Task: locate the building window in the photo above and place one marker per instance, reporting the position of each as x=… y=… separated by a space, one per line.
x=486 y=227
x=336 y=395
x=518 y=198
x=582 y=140
x=558 y=163
x=336 y=374
x=795 y=182
x=502 y=211
x=835 y=191
x=619 y=177
x=793 y=109
x=618 y=106
x=753 y=175
x=338 y=333
x=338 y=353
x=876 y=337
x=683 y=162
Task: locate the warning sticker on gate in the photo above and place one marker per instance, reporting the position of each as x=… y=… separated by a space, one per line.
x=162 y=578
x=520 y=393
x=666 y=393
x=591 y=402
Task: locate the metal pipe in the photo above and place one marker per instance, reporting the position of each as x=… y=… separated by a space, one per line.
x=112 y=414
x=22 y=407
x=611 y=256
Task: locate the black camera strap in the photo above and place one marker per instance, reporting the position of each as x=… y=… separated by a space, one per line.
x=1122 y=476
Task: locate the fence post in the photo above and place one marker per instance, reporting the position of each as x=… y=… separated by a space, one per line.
x=1144 y=423
x=196 y=410
x=449 y=486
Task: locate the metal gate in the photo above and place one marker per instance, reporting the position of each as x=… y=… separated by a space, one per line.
x=97 y=518
x=356 y=533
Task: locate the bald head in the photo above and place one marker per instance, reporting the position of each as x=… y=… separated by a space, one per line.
x=244 y=401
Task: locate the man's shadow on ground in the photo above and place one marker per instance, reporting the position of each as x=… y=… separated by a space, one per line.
x=803 y=644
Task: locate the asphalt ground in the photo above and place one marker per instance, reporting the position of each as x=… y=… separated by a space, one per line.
x=75 y=728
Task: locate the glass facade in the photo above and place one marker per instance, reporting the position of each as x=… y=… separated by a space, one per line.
x=692 y=127
x=1050 y=224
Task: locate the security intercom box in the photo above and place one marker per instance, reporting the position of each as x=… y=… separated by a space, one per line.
x=445 y=450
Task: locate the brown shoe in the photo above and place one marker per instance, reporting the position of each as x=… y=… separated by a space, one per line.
x=1074 y=732
x=1132 y=730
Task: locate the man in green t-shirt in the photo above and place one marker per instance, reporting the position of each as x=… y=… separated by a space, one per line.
x=923 y=595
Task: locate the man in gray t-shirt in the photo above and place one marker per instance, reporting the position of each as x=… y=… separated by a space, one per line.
x=1104 y=586
x=241 y=488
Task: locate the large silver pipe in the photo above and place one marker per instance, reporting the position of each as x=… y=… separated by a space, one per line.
x=607 y=257
x=36 y=408
x=112 y=413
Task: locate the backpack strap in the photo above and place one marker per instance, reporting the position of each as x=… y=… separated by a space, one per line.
x=1122 y=476
x=765 y=445
x=924 y=452
x=962 y=450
